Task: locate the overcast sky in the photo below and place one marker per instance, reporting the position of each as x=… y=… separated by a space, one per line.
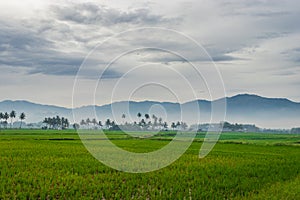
x=255 y=46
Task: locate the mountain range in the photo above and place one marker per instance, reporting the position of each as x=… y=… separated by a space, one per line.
x=242 y=108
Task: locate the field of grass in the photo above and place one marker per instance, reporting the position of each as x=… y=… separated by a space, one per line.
x=36 y=164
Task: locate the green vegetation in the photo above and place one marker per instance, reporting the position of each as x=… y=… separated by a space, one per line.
x=52 y=164
x=12 y=115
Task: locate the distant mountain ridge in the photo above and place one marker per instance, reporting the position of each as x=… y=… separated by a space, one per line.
x=242 y=108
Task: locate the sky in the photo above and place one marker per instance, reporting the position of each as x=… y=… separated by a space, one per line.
x=74 y=53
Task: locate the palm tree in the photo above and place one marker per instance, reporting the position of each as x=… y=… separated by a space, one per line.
x=88 y=121
x=139 y=115
x=147 y=116
x=64 y=123
x=46 y=121
x=76 y=126
x=22 y=117
x=6 y=116
x=160 y=122
x=183 y=125
x=107 y=123
x=1 y=117
x=173 y=126
x=100 y=124
x=82 y=123
x=123 y=117
x=57 y=122
x=94 y=122
x=178 y=125
x=12 y=115
x=165 y=126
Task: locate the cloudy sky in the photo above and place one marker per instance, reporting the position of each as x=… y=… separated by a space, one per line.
x=156 y=50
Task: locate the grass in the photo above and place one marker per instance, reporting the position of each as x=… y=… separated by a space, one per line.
x=38 y=164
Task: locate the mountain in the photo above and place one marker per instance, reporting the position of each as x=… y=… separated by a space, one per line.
x=242 y=108
x=34 y=112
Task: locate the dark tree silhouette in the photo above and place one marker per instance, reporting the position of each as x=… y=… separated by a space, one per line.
x=88 y=121
x=12 y=115
x=94 y=122
x=107 y=123
x=173 y=126
x=100 y=124
x=147 y=117
x=76 y=126
x=139 y=115
x=22 y=117
x=82 y=123
x=1 y=117
x=56 y=122
x=6 y=116
x=123 y=117
x=165 y=126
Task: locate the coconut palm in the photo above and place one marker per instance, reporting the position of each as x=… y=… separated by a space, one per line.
x=94 y=122
x=173 y=126
x=6 y=116
x=147 y=116
x=82 y=123
x=123 y=117
x=88 y=121
x=12 y=115
x=22 y=117
x=165 y=126
x=107 y=123
x=100 y=124
x=1 y=117
x=139 y=115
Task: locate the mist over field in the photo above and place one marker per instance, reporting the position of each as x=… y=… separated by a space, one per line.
x=246 y=109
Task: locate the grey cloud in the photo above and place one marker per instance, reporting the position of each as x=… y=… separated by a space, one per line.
x=90 y=13
x=220 y=58
x=43 y=45
x=73 y=70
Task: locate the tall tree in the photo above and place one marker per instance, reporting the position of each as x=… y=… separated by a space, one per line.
x=76 y=126
x=100 y=124
x=22 y=117
x=160 y=121
x=6 y=116
x=123 y=117
x=88 y=121
x=173 y=126
x=147 y=117
x=154 y=121
x=1 y=117
x=139 y=115
x=107 y=123
x=12 y=115
x=165 y=126
x=57 y=122
x=82 y=123
x=94 y=122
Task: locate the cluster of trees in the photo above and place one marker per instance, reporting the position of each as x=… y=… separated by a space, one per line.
x=4 y=117
x=295 y=130
x=56 y=123
x=144 y=123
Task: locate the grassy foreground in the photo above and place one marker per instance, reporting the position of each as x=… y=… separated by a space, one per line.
x=37 y=164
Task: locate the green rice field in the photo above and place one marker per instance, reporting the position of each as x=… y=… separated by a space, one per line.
x=49 y=164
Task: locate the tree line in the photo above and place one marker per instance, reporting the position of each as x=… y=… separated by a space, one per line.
x=4 y=117
x=145 y=122
x=56 y=123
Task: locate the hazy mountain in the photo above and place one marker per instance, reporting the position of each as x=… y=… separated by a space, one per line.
x=243 y=108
